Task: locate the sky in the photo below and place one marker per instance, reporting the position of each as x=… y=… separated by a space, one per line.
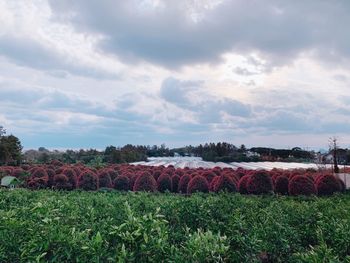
x=93 y=73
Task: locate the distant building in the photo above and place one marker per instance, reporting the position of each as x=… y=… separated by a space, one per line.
x=10 y=182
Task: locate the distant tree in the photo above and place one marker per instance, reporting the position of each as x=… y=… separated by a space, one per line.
x=10 y=150
x=112 y=155
x=333 y=146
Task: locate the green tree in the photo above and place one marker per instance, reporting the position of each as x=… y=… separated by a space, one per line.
x=10 y=150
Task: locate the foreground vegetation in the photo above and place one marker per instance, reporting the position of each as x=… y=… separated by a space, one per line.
x=111 y=226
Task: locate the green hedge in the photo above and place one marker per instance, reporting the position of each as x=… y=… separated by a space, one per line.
x=40 y=226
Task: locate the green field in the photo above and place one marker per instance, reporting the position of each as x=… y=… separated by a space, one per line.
x=40 y=226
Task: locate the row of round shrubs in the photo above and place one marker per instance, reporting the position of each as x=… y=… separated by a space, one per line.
x=186 y=181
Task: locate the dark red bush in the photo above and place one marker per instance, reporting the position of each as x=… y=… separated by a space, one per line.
x=39 y=178
x=60 y=182
x=183 y=183
x=51 y=173
x=121 y=183
x=145 y=182
x=209 y=175
x=37 y=183
x=281 y=185
x=198 y=184
x=301 y=185
x=72 y=177
x=224 y=183
x=213 y=183
x=88 y=181
x=259 y=182
x=104 y=179
x=175 y=179
x=242 y=184
x=327 y=185
x=164 y=183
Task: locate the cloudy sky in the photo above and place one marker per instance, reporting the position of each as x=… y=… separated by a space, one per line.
x=92 y=73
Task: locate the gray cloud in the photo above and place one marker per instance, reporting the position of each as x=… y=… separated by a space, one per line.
x=190 y=95
x=25 y=51
x=279 y=30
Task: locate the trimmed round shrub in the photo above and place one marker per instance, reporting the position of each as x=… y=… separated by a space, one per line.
x=51 y=173
x=301 y=185
x=183 y=183
x=60 y=182
x=224 y=183
x=209 y=176
x=242 y=184
x=259 y=182
x=72 y=177
x=39 y=179
x=37 y=183
x=213 y=183
x=104 y=179
x=175 y=179
x=327 y=185
x=198 y=184
x=88 y=181
x=281 y=185
x=121 y=183
x=145 y=182
x=164 y=183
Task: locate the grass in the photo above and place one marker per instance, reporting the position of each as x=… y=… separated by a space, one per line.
x=48 y=226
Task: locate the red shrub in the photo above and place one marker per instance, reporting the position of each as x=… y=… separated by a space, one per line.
x=17 y=172
x=60 y=182
x=224 y=183
x=39 y=178
x=259 y=182
x=51 y=173
x=281 y=185
x=198 y=184
x=242 y=184
x=72 y=178
x=164 y=183
x=301 y=185
x=37 y=183
x=104 y=179
x=121 y=183
x=145 y=182
x=175 y=179
x=327 y=185
x=213 y=183
x=209 y=176
x=88 y=180
x=183 y=183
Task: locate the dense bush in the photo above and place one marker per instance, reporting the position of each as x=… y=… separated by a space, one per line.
x=198 y=184
x=242 y=184
x=224 y=183
x=88 y=181
x=301 y=185
x=183 y=183
x=77 y=226
x=175 y=179
x=121 y=183
x=164 y=183
x=327 y=185
x=281 y=185
x=60 y=182
x=104 y=179
x=259 y=182
x=145 y=182
x=72 y=177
